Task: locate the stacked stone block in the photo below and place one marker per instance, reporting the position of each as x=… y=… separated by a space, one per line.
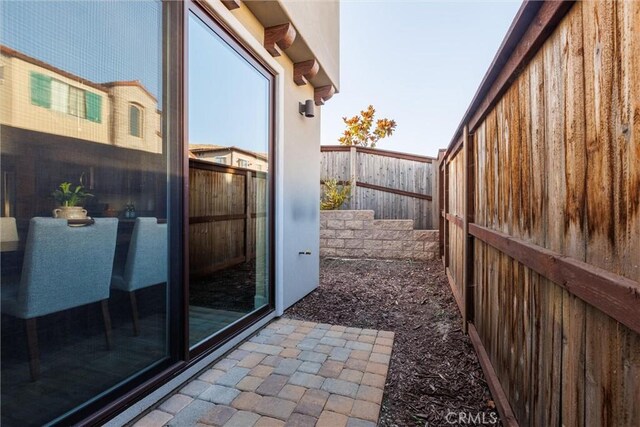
x=356 y=234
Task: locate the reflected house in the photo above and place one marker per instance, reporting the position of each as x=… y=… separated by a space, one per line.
x=189 y=247
x=232 y=156
x=39 y=97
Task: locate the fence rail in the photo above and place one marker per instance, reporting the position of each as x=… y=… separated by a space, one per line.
x=394 y=185
x=540 y=220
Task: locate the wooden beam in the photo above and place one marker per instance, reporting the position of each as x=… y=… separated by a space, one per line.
x=394 y=191
x=454 y=219
x=323 y=93
x=279 y=38
x=467 y=248
x=614 y=295
x=497 y=392
x=215 y=218
x=305 y=71
x=379 y=152
x=231 y=4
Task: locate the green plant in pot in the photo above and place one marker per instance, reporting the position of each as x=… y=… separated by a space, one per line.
x=68 y=199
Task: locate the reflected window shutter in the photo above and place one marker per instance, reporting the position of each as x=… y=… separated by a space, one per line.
x=40 y=90
x=94 y=107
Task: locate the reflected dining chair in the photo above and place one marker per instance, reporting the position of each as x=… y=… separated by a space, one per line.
x=8 y=229
x=146 y=263
x=64 y=267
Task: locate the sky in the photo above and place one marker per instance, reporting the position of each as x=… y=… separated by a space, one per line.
x=419 y=63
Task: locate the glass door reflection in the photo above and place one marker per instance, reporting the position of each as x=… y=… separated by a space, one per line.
x=229 y=135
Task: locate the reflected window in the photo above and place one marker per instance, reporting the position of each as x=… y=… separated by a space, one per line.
x=243 y=163
x=59 y=96
x=135 y=120
x=220 y=159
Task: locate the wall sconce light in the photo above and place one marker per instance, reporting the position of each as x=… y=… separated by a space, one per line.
x=306 y=109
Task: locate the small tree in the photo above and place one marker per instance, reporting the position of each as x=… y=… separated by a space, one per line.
x=359 y=131
x=334 y=197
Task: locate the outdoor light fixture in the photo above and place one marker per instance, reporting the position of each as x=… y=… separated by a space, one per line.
x=306 y=109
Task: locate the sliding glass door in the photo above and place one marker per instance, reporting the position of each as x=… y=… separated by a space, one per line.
x=229 y=131
x=84 y=169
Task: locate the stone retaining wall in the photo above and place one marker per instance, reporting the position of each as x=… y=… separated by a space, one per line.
x=355 y=234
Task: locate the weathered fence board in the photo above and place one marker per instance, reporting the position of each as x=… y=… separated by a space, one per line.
x=393 y=185
x=555 y=264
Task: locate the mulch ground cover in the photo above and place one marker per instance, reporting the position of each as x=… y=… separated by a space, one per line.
x=434 y=369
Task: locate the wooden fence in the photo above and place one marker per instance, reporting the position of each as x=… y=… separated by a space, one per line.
x=541 y=216
x=223 y=219
x=394 y=185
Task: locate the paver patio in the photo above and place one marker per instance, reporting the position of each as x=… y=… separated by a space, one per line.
x=291 y=373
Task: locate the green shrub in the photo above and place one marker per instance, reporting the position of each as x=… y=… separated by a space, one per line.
x=334 y=195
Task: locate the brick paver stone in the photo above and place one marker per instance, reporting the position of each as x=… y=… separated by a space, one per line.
x=225 y=364
x=341 y=387
x=269 y=422
x=369 y=339
x=275 y=407
x=340 y=354
x=386 y=334
x=292 y=392
x=242 y=419
x=246 y=401
x=333 y=334
x=154 y=419
x=268 y=349
x=218 y=415
x=308 y=344
x=384 y=341
x=194 y=388
x=374 y=380
x=272 y=385
x=191 y=414
x=290 y=352
x=350 y=375
x=380 y=358
x=219 y=394
x=233 y=376
x=249 y=383
x=211 y=375
x=175 y=403
x=356 y=364
x=331 y=369
x=332 y=419
x=370 y=394
x=251 y=361
x=272 y=361
x=365 y=410
x=310 y=367
x=312 y=402
x=312 y=356
x=262 y=371
x=306 y=380
x=301 y=420
x=335 y=342
x=382 y=349
x=287 y=366
x=377 y=368
x=339 y=404
x=357 y=422
x=317 y=333
x=238 y=354
x=360 y=354
x=324 y=349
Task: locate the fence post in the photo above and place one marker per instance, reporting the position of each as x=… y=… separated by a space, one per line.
x=445 y=211
x=468 y=216
x=353 y=155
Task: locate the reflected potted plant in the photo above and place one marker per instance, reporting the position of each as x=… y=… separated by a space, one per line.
x=68 y=199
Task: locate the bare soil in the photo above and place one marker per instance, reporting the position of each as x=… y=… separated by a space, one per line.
x=434 y=369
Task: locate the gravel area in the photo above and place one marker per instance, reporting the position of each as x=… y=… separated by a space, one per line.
x=434 y=369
